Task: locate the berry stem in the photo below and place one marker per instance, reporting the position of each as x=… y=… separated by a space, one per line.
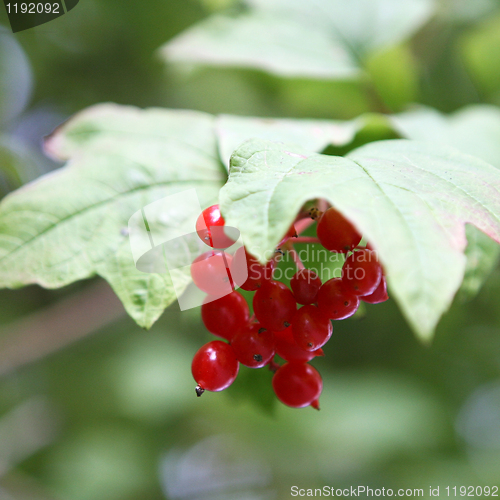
x=306 y=239
x=302 y=225
x=295 y=256
x=273 y=366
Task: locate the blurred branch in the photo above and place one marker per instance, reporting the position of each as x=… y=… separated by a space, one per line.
x=17 y=486
x=58 y=325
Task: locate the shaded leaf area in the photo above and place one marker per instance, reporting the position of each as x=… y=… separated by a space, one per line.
x=410 y=199
x=474 y=130
x=322 y=39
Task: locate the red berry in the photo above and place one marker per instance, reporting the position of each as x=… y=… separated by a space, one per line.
x=297 y=384
x=274 y=305
x=248 y=273
x=210 y=228
x=287 y=348
x=305 y=285
x=361 y=272
x=254 y=347
x=311 y=328
x=210 y=273
x=335 y=301
x=214 y=367
x=379 y=295
x=336 y=233
x=226 y=315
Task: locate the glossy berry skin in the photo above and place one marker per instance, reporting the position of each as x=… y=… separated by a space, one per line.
x=336 y=233
x=361 y=272
x=379 y=295
x=297 y=384
x=210 y=273
x=287 y=348
x=311 y=328
x=274 y=305
x=254 y=346
x=335 y=302
x=305 y=285
x=214 y=366
x=226 y=315
x=255 y=273
x=210 y=228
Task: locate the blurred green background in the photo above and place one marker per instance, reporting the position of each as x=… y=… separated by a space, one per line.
x=94 y=408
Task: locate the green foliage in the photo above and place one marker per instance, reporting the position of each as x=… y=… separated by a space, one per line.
x=318 y=40
x=73 y=223
x=410 y=199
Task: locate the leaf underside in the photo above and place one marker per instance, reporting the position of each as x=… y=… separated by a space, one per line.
x=411 y=200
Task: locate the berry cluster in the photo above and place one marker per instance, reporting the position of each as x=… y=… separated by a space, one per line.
x=278 y=326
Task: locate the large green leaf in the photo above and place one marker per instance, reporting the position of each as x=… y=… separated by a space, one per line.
x=474 y=130
x=410 y=199
x=72 y=223
x=320 y=39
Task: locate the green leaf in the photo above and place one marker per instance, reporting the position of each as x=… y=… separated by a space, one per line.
x=322 y=39
x=474 y=130
x=284 y=47
x=72 y=223
x=314 y=135
x=411 y=200
x=394 y=73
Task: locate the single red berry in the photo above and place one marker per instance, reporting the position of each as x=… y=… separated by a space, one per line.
x=335 y=301
x=254 y=346
x=297 y=384
x=336 y=233
x=311 y=328
x=210 y=273
x=274 y=305
x=248 y=273
x=361 y=272
x=287 y=348
x=305 y=285
x=210 y=228
x=226 y=315
x=214 y=367
x=379 y=295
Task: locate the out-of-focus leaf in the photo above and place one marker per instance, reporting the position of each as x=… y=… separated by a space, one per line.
x=314 y=135
x=320 y=39
x=481 y=55
x=284 y=47
x=474 y=130
x=410 y=199
x=15 y=77
x=395 y=76
x=72 y=223
x=254 y=385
